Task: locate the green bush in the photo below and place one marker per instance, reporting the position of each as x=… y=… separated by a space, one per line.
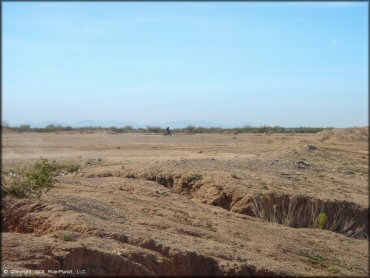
x=16 y=185
x=66 y=237
x=323 y=219
x=24 y=128
x=30 y=181
x=190 y=129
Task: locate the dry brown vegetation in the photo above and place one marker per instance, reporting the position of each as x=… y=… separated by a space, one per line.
x=200 y=204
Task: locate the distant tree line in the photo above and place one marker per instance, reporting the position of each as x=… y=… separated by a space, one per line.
x=155 y=129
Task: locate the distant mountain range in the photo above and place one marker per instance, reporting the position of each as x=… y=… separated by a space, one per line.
x=171 y=124
x=185 y=123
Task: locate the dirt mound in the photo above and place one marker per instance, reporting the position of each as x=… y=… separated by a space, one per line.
x=344 y=135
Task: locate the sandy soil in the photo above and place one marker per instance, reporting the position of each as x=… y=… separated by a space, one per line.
x=203 y=204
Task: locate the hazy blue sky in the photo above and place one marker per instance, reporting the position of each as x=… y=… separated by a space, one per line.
x=289 y=64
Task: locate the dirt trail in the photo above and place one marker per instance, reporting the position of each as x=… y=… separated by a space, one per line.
x=246 y=206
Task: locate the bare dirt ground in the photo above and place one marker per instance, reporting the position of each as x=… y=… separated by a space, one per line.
x=202 y=204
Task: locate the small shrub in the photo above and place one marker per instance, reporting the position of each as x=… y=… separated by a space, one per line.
x=322 y=219
x=50 y=128
x=41 y=174
x=30 y=181
x=24 y=128
x=67 y=237
x=17 y=185
x=190 y=129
